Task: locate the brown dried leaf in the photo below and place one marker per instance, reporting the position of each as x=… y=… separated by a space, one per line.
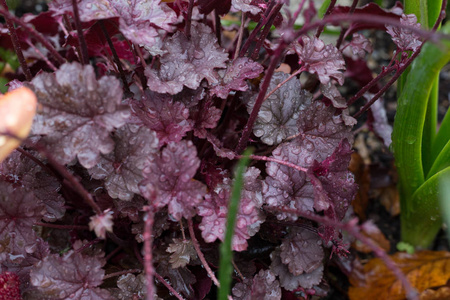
x=442 y=293
x=423 y=269
x=362 y=177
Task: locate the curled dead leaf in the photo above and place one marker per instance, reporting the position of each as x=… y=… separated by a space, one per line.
x=424 y=270
x=17 y=110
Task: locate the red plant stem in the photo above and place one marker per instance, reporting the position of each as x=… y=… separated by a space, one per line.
x=15 y=40
x=113 y=253
x=88 y=244
x=34 y=33
x=297 y=12
x=187 y=28
x=402 y=68
x=148 y=255
x=37 y=161
x=279 y=161
x=327 y=13
x=74 y=183
x=255 y=31
x=355 y=230
x=115 y=274
x=266 y=30
x=168 y=286
x=81 y=39
x=60 y=226
x=342 y=34
x=368 y=86
x=283 y=82
x=242 y=144
x=43 y=57
x=116 y=57
x=200 y=253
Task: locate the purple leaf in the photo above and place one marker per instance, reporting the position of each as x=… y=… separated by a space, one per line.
x=171 y=174
x=333 y=181
x=131 y=287
x=277 y=118
x=121 y=169
x=358 y=47
x=22 y=172
x=285 y=186
x=331 y=92
x=380 y=122
x=205 y=116
x=233 y=78
x=405 y=38
x=70 y=276
x=263 y=286
x=246 y=6
x=290 y=281
x=19 y=210
x=139 y=20
x=249 y=217
x=324 y=60
x=167 y=118
x=187 y=61
x=301 y=251
x=77 y=113
x=321 y=131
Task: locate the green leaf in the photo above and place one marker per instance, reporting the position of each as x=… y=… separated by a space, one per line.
x=323 y=8
x=226 y=255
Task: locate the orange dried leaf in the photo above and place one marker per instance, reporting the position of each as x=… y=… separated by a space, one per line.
x=442 y=293
x=17 y=109
x=362 y=176
x=424 y=270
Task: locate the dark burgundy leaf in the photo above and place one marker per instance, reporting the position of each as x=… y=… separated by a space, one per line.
x=233 y=78
x=246 y=6
x=285 y=186
x=290 y=281
x=333 y=181
x=215 y=208
x=139 y=20
x=405 y=38
x=279 y=113
x=301 y=251
x=368 y=9
x=70 y=276
x=187 y=61
x=264 y=286
x=77 y=113
x=324 y=60
x=161 y=114
x=121 y=169
x=171 y=176
x=19 y=210
x=22 y=172
x=9 y=286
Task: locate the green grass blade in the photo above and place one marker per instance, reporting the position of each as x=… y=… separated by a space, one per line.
x=226 y=254
x=323 y=8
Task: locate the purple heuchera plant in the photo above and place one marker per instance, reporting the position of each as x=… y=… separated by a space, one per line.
x=134 y=159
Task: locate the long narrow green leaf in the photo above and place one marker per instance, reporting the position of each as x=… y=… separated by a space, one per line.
x=409 y=128
x=323 y=8
x=442 y=137
x=442 y=161
x=426 y=217
x=444 y=188
x=430 y=125
x=226 y=254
